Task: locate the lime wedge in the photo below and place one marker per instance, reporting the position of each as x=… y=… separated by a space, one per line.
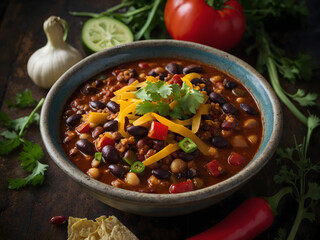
x=104 y=32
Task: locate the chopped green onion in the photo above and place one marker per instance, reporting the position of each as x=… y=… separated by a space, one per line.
x=187 y=145
x=137 y=167
x=98 y=156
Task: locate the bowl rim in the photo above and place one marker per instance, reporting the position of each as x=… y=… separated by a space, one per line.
x=160 y=199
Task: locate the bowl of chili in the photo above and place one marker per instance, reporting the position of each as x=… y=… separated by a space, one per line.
x=161 y=127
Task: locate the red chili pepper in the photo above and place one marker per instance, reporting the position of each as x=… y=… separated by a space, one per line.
x=181 y=187
x=105 y=140
x=158 y=131
x=176 y=79
x=83 y=127
x=247 y=221
x=235 y=159
x=214 y=168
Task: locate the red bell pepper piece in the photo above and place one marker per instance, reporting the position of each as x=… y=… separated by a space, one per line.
x=181 y=187
x=105 y=140
x=235 y=159
x=214 y=168
x=158 y=131
x=176 y=79
x=83 y=127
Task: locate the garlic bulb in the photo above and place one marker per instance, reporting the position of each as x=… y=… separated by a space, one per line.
x=48 y=63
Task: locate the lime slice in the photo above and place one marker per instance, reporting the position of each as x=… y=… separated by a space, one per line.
x=104 y=32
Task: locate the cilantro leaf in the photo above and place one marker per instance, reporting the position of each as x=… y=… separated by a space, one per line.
x=165 y=90
x=7 y=146
x=142 y=94
x=303 y=98
x=191 y=101
x=31 y=153
x=163 y=108
x=145 y=107
x=175 y=91
x=22 y=100
x=35 y=178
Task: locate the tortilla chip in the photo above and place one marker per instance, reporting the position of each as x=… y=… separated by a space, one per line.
x=102 y=229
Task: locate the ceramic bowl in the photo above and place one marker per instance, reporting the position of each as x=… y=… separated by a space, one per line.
x=160 y=204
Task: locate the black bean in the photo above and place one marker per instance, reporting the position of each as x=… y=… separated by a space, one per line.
x=185 y=156
x=207 y=117
x=98 y=82
x=117 y=170
x=111 y=126
x=231 y=84
x=192 y=172
x=97 y=105
x=137 y=131
x=113 y=106
x=219 y=142
x=133 y=72
x=110 y=154
x=73 y=120
x=88 y=89
x=162 y=76
x=161 y=173
x=197 y=81
x=217 y=98
x=229 y=108
x=248 y=109
x=158 y=142
x=85 y=146
x=97 y=131
x=192 y=68
x=153 y=73
x=239 y=92
x=173 y=68
x=206 y=89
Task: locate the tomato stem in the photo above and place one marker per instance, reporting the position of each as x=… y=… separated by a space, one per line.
x=216 y=4
x=275 y=199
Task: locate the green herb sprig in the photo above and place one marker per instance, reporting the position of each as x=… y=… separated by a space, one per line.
x=13 y=138
x=157 y=96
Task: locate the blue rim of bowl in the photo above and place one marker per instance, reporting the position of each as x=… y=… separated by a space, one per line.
x=53 y=146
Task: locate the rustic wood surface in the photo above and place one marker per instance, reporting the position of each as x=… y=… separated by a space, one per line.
x=25 y=214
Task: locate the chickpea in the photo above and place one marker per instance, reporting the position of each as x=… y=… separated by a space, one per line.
x=95 y=163
x=84 y=136
x=216 y=78
x=94 y=172
x=197 y=183
x=250 y=123
x=239 y=141
x=253 y=139
x=178 y=165
x=132 y=179
x=240 y=100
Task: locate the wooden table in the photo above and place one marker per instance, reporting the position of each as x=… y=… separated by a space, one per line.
x=25 y=214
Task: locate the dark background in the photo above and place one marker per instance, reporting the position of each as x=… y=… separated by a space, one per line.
x=25 y=214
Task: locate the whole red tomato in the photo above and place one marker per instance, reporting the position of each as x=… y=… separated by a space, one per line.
x=198 y=21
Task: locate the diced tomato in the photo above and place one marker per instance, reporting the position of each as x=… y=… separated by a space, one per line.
x=158 y=131
x=105 y=140
x=235 y=159
x=176 y=79
x=214 y=168
x=143 y=65
x=181 y=187
x=83 y=127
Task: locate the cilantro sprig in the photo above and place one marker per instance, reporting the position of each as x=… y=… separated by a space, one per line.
x=12 y=138
x=157 y=97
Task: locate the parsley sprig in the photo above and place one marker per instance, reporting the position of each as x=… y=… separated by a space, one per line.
x=158 y=95
x=12 y=138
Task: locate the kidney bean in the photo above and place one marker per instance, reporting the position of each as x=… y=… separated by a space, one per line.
x=111 y=126
x=185 y=156
x=137 y=131
x=131 y=80
x=173 y=68
x=97 y=131
x=192 y=68
x=198 y=81
x=248 y=109
x=73 y=120
x=141 y=143
x=85 y=146
x=161 y=173
x=217 y=98
x=219 y=142
x=110 y=154
x=231 y=84
x=117 y=170
x=88 y=89
x=97 y=105
x=229 y=108
x=113 y=106
x=228 y=125
x=57 y=220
